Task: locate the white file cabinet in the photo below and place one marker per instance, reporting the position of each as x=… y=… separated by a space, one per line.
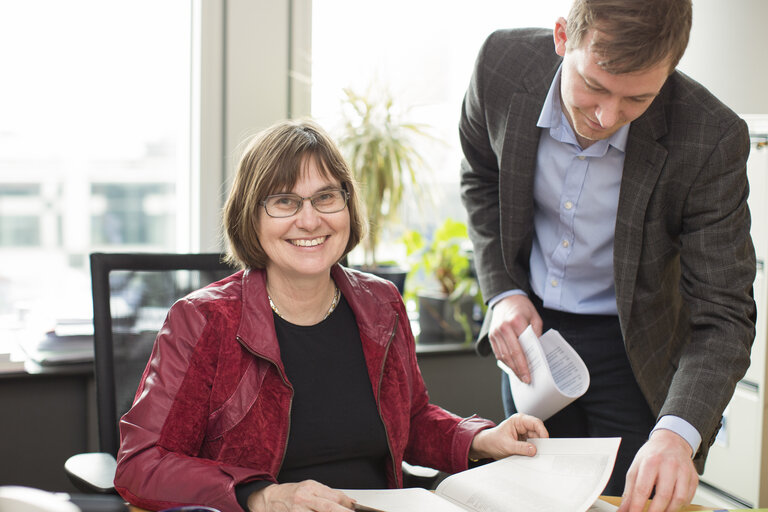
x=737 y=466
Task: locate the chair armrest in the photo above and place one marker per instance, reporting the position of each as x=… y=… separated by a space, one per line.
x=419 y=476
x=92 y=472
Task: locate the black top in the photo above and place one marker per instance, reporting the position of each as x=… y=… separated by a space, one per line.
x=336 y=435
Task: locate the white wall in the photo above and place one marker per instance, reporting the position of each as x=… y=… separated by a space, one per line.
x=728 y=52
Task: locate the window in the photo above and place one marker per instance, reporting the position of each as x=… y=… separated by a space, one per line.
x=94 y=142
x=423 y=53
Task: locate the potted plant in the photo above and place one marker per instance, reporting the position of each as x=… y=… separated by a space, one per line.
x=448 y=305
x=379 y=147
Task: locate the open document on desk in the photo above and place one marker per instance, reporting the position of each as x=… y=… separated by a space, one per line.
x=565 y=475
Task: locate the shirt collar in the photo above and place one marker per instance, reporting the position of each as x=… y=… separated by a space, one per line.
x=552 y=117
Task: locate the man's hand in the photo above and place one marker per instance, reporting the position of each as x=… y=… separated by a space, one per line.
x=511 y=316
x=663 y=463
x=508 y=438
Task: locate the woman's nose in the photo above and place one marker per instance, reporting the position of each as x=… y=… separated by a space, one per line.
x=307 y=217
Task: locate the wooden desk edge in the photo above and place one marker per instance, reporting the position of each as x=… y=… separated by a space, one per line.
x=616 y=500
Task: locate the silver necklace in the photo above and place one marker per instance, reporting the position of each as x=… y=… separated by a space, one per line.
x=334 y=303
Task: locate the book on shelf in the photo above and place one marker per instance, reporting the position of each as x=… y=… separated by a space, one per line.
x=565 y=475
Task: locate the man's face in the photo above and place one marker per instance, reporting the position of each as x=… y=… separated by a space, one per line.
x=595 y=102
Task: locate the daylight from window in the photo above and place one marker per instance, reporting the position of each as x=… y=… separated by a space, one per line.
x=94 y=130
x=422 y=54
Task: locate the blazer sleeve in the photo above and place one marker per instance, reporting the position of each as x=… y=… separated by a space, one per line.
x=481 y=132
x=717 y=260
x=158 y=462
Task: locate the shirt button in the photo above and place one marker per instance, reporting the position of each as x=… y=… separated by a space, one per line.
x=554 y=283
x=581 y=157
x=568 y=205
x=565 y=243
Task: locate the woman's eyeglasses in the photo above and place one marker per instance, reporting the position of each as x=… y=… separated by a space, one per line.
x=287 y=205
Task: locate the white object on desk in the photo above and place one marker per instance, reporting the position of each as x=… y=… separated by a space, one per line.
x=27 y=499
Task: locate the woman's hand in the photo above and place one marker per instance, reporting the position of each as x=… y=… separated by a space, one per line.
x=508 y=438
x=299 y=497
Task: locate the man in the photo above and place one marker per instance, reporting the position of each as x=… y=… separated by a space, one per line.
x=607 y=198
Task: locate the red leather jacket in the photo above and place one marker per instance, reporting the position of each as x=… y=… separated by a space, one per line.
x=213 y=406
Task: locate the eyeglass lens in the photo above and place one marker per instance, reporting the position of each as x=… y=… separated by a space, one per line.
x=286 y=205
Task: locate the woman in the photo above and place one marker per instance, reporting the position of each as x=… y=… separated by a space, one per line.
x=295 y=370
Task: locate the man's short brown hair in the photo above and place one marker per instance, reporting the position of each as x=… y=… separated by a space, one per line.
x=273 y=162
x=631 y=35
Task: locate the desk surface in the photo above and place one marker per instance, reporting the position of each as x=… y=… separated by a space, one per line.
x=615 y=500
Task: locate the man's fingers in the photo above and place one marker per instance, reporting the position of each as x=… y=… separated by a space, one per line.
x=664 y=491
x=693 y=484
x=522 y=365
x=537 y=324
x=512 y=352
x=503 y=344
x=675 y=488
x=639 y=486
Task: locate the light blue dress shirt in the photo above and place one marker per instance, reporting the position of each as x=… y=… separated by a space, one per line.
x=576 y=195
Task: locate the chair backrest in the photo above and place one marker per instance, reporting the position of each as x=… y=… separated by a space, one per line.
x=132 y=293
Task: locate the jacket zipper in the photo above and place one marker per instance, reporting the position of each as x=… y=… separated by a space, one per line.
x=378 y=394
x=290 y=402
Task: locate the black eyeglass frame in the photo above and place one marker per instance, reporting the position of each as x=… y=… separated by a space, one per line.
x=312 y=198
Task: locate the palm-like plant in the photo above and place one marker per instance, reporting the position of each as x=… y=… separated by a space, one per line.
x=380 y=150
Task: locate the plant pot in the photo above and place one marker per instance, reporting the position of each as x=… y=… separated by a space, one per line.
x=437 y=321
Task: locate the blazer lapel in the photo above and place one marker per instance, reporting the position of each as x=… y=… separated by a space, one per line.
x=643 y=163
x=521 y=140
x=518 y=157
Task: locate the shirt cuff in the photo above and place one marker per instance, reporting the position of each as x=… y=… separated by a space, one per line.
x=504 y=295
x=682 y=428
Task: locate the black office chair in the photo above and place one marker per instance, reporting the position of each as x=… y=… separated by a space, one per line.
x=132 y=292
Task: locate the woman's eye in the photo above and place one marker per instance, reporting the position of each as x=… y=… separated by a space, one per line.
x=285 y=201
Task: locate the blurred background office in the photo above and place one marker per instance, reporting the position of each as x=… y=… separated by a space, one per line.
x=120 y=123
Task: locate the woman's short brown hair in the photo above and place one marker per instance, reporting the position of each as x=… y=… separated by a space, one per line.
x=631 y=35
x=273 y=162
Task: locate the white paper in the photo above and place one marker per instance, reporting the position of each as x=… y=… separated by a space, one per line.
x=558 y=375
x=402 y=500
x=565 y=475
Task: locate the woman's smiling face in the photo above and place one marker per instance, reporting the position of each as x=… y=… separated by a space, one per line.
x=309 y=242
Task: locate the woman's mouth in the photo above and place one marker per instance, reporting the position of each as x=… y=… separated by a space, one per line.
x=304 y=242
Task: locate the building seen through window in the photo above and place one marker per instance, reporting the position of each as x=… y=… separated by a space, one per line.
x=94 y=138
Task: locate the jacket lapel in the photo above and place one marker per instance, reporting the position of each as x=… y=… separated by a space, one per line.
x=257 y=326
x=518 y=157
x=643 y=163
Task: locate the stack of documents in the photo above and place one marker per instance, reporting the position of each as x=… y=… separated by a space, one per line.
x=70 y=341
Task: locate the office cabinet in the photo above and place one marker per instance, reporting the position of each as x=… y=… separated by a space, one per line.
x=47 y=417
x=737 y=465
